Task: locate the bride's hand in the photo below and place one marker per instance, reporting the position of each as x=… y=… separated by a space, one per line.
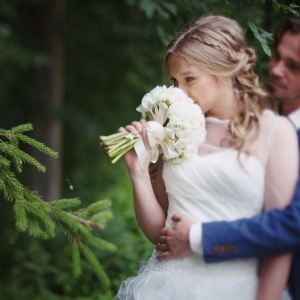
x=130 y=158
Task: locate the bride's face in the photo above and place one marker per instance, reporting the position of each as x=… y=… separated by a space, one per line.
x=203 y=88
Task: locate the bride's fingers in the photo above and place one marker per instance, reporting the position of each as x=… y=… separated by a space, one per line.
x=135 y=127
x=131 y=129
x=143 y=122
x=162 y=239
x=121 y=129
x=162 y=247
x=138 y=126
x=145 y=138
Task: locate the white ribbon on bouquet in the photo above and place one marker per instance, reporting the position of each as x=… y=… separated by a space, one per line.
x=161 y=140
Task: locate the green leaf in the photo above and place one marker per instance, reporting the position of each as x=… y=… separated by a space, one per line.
x=263 y=38
x=170 y=7
x=148 y=7
x=276 y=6
x=267 y=49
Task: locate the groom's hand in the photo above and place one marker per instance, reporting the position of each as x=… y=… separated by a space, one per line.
x=174 y=241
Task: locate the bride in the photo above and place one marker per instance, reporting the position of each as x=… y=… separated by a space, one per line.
x=237 y=173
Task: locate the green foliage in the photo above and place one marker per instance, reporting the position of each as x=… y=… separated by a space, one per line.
x=40 y=219
x=12 y=156
x=290 y=8
x=262 y=36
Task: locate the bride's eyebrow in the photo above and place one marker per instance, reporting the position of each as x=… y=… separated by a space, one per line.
x=181 y=74
x=185 y=73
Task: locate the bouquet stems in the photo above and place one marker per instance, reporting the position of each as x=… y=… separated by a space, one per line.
x=117 y=144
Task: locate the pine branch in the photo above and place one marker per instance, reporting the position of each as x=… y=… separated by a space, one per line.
x=22 y=128
x=42 y=219
x=102 y=244
x=18 y=156
x=37 y=145
x=20 y=217
x=65 y=203
x=90 y=256
x=76 y=259
x=16 y=134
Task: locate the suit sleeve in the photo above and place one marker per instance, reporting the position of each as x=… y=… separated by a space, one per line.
x=274 y=232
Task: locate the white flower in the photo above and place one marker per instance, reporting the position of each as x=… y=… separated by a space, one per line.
x=186 y=126
x=176 y=127
x=155 y=103
x=187 y=121
x=181 y=117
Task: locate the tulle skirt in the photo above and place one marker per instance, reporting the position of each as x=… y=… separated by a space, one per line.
x=191 y=278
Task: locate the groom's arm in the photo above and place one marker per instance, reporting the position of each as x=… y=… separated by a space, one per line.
x=273 y=232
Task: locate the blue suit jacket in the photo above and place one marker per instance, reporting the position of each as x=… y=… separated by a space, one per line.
x=273 y=232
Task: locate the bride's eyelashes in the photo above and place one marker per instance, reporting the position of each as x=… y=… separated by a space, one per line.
x=186 y=79
x=189 y=79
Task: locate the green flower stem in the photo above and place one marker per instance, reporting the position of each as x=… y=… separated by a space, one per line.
x=118 y=144
x=110 y=139
x=128 y=147
x=122 y=153
x=121 y=146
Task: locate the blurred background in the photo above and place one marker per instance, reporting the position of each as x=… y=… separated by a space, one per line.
x=77 y=70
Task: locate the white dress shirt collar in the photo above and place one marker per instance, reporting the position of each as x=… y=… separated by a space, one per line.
x=295 y=118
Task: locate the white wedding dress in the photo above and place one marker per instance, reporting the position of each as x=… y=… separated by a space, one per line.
x=215 y=185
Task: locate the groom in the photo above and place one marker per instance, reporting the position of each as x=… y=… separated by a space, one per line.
x=273 y=232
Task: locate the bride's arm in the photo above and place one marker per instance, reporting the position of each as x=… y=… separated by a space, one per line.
x=155 y=171
x=149 y=213
x=281 y=177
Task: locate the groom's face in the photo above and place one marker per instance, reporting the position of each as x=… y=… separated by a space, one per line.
x=284 y=71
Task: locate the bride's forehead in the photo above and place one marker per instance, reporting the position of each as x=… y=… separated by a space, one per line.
x=179 y=65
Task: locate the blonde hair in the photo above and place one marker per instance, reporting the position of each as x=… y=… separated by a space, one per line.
x=217 y=45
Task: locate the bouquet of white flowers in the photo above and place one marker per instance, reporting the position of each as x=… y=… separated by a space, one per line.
x=175 y=127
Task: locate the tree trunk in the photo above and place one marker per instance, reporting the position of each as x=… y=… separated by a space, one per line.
x=50 y=85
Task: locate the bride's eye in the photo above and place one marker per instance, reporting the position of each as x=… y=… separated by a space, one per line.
x=189 y=79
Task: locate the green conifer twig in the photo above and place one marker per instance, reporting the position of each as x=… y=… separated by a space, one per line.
x=42 y=219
